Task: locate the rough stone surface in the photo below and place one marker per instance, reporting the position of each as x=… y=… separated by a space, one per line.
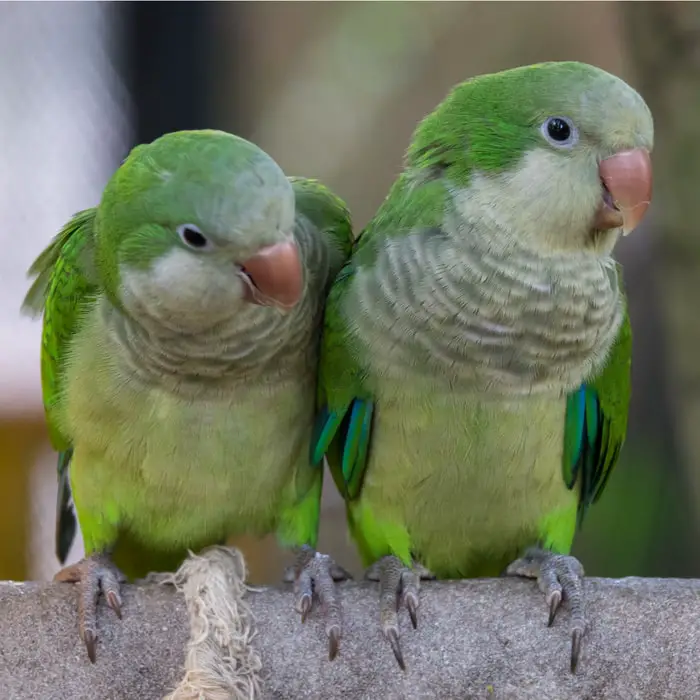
x=475 y=639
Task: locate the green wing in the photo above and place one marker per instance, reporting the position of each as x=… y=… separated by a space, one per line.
x=318 y=210
x=346 y=405
x=329 y=214
x=596 y=422
x=344 y=421
x=60 y=291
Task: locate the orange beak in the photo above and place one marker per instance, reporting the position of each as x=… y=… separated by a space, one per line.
x=627 y=177
x=275 y=276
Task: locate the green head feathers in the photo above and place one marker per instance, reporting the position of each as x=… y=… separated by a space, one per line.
x=180 y=217
x=221 y=185
x=525 y=147
x=489 y=122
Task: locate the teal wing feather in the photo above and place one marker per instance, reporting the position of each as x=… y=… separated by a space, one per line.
x=329 y=214
x=596 y=423
x=318 y=211
x=344 y=420
x=63 y=286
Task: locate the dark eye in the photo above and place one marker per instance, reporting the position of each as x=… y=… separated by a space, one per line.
x=560 y=131
x=192 y=237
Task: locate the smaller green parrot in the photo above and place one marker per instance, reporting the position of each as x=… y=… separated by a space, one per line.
x=475 y=363
x=181 y=330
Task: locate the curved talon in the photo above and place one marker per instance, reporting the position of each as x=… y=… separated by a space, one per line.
x=333 y=643
x=412 y=607
x=90 y=644
x=114 y=603
x=576 y=637
x=559 y=577
x=393 y=636
x=96 y=575
x=554 y=602
x=305 y=606
x=399 y=586
x=314 y=575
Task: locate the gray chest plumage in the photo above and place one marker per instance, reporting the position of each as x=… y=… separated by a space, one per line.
x=470 y=355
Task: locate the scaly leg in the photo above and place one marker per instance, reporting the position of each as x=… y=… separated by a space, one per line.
x=559 y=577
x=94 y=574
x=397 y=585
x=311 y=573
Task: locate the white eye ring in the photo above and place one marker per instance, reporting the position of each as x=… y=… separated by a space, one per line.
x=560 y=132
x=193 y=238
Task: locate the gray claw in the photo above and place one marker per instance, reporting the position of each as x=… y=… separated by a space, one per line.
x=399 y=586
x=305 y=606
x=554 y=602
x=412 y=607
x=393 y=636
x=576 y=637
x=333 y=643
x=559 y=577
x=90 y=645
x=114 y=603
x=314 y=575
x=95 y=575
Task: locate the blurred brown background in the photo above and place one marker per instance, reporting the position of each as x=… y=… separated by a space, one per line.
x=334 y=90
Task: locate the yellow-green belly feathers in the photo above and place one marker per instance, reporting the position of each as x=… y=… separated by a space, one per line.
x=496 y=464
x=181 y=471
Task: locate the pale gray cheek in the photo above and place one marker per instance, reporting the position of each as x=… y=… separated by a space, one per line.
x=212 y=298
x=179 y=301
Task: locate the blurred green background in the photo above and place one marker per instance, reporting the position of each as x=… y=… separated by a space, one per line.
x=333 y=90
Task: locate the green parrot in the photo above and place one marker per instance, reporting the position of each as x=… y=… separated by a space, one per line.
x=181 y=330
x=475 y=364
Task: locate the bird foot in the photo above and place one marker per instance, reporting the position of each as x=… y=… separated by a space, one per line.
x=311 y=573
x=95 y=574
x=559 y=577
x=398 y=585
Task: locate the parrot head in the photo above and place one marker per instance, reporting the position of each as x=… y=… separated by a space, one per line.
x=556 y=154
x=195 y=226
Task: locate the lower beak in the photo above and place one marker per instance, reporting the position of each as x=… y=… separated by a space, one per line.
x=275 y=276
x=627 y=176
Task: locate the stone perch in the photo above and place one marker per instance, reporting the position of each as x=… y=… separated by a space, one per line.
x=208 y=637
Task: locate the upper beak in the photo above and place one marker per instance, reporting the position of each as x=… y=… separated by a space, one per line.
x=628 y=178
x=275 y=275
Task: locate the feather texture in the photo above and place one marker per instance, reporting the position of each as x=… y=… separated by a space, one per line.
x=475 y=364
x=178 y=438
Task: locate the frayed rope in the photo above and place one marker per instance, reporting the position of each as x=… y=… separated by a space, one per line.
x=221 y=663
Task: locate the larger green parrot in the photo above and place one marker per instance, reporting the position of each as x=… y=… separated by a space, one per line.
x=475 y=367
x=182 y=320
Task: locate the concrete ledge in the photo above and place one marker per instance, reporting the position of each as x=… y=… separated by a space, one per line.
x=475 y=639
